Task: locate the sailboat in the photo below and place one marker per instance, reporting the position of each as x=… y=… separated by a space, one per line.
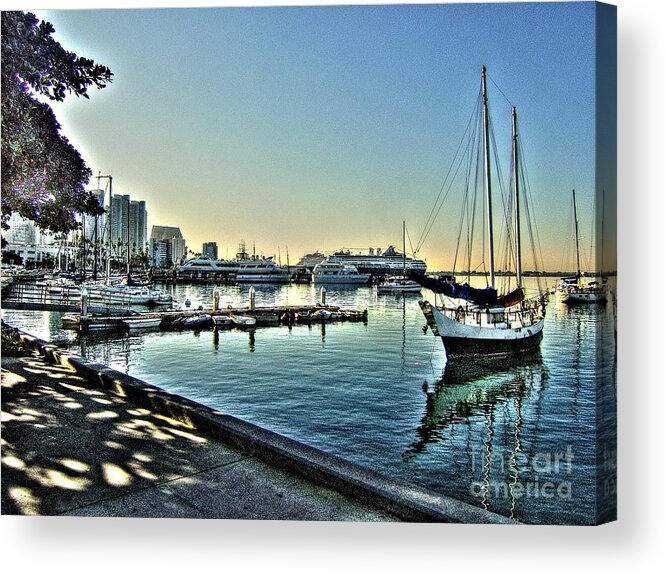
x=400 y=284
x=572 y=290
x=481 y=322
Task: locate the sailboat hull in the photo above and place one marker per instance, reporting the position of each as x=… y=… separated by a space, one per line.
x=465 y=340
x=576 y=297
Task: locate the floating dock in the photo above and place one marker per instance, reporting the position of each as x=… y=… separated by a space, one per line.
x=209 y=318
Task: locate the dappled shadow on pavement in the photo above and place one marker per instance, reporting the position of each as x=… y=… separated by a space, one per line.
x=66 y=443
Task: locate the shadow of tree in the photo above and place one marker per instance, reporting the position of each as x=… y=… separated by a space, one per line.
x=67 y=443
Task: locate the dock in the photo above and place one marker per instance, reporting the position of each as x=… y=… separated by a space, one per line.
x=208 y=318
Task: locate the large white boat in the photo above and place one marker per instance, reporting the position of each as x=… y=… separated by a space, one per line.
x=122 y=294
x=573 y=290
x=245 y=268
x=206 y=264
x=482 y=322
x=262 y=271
x=99 y=292
x=333 y=272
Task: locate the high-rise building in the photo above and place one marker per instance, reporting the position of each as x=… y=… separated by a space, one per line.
x=120 y=207
x=167 y=246
x=138 y=222
x=92 y=223
x=210 y=250
x=21 y=231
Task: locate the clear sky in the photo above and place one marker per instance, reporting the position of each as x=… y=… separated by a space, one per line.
x=324 y=127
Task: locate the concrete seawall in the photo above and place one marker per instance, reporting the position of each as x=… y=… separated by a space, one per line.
x=397 y=498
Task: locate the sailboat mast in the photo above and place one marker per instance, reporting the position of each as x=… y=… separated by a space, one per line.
x=519 y=263
x=404 y=250
x=486 y=164
x=110 y=240
x=603 y=210
x=576 y=226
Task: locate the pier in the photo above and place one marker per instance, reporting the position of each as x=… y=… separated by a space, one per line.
x=217 y=318
x=84 y=315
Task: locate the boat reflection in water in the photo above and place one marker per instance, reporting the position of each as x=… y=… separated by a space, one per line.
x=475 y=410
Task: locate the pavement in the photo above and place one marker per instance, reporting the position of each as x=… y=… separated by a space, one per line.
x=70 y=447
x=80 y=438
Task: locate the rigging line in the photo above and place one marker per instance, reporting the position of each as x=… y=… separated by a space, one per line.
x=478 y=176
x=432 y=222
x=507 y=261
x=500 y=89
x=469 y=208
x=464 y=208
x=528 y=188
x=461 y=222
x=530 y=228
x=566 y=253
x=469 y=123
x=423 y=236
x=411 y=247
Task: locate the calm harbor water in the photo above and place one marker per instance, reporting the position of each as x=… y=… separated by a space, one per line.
x=516 y=439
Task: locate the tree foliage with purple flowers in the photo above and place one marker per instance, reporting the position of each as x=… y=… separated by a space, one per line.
x=43 y=175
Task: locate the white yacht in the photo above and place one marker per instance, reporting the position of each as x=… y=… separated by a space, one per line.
x=206 y=264
x=262 y=271
x=399 y=284
x=573 y=290
x=338 y=273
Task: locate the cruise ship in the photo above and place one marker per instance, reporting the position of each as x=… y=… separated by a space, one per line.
x=376 y=262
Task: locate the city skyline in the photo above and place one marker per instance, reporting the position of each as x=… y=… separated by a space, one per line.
x=321 y=128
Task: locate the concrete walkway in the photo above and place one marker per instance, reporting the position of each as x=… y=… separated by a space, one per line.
x=71 y=447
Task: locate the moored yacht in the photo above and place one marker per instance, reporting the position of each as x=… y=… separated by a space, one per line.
x=338 y=273
x=262 y=271
x=573 y=290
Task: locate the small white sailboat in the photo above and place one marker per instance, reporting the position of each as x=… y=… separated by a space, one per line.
x=400 y=284
x=482 y=322
x=573 y=290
